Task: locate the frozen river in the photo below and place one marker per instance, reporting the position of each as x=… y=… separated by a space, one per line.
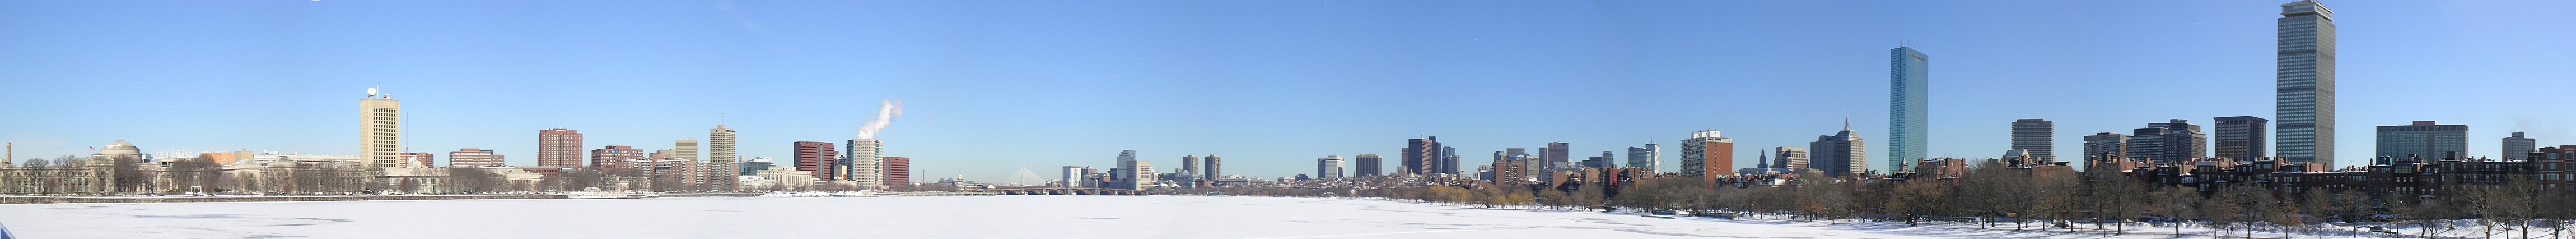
x=880 y=217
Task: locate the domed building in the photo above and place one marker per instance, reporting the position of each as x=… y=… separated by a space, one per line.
x=118 y=149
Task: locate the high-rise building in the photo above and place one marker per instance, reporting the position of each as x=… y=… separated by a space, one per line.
x=1422 y=156
x=1189 y=165
x=1215 y=169
x=2105 y=146
x=1840 y=155
x=2425 y=139
x=1646 y=159
x=1606 y=160
x=898 y=170
x=1448 y=159
x=2519 y=148
x=616 y=158
x=867 y=162
x=379 y=129
x=721 y=158
x=1510 y=170
x=473 y=157
x=559 y=147
x=422 y=159
x=1368 y=165
x=1792 y=158
x=1328 y=167
x=817 y=157
x=2304 y=75
x=2242 y=137
x=1704 y=155
x=2175 y=140
x=685 y=149
x=1072 y=176
x=1908 y=107
x=1559 y=156
x=2037 y=137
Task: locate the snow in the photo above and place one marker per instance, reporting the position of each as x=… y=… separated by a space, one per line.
x=917 y=217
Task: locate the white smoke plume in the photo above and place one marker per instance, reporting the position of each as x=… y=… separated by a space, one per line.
x=886 y=111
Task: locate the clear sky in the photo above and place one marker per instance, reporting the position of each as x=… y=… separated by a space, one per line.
x=993 y=87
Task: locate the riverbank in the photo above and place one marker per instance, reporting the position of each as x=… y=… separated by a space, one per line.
x=137 y=199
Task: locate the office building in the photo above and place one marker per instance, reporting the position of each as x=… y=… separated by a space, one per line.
x=616 y=158
x=1215 y=168
x=2105 y=146
x=817 y=157
x=1189 y=165
x=2304 y=79
x=1646 y=159
x=1368 y=165
x=684 y=149
x=419 y=159
x=1558 y=156
x=1422 y=156
x=1908 y=107
x=2037 y=137
x=2242 y=137
x=1704 y=155
x=473 y=157
x=1840 y=155
x=2175 y=140
x=757 y=164
x=559 y=148
x=1449 y=160
x=1328 y=167
x=1792 y=158
x=2424 y=138
x=898 y=170
x=379 y=129
x=866 y=158
x=721 y=159
x=1072 y=176
x=2518 y=147
x=1606 y=160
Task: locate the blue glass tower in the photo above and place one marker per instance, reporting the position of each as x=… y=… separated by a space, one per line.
x=1907 y=86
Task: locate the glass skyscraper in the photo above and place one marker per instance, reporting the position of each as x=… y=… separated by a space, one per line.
x=1907 y=87
x=2305 y=77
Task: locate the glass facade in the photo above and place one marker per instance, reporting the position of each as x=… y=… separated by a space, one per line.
x=1907 y=90
x=2305 y=81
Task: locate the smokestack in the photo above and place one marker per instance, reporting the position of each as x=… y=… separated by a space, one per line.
x=886 y=111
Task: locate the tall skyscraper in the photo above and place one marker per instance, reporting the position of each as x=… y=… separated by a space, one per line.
x=559 y=148
x=2175 y=140
x=1215 y=168
x=2105 y=146
x=1840 y=155
x=721 y=158
x=616 y=158
x=2424 y=138
x=2518 y=147
x=1126 y=163
x=2242 y=137
x=1646 y=159
x=1328 y=167
x=1908 y=106
x=1448 y=159
x=1559 y=156
x=867 y=162
x=1792 y=158
x=473 y=157
x=1368 y=165
x=2037 y=137
x=379 y=129
x=1189 y=165
x=2305 y=79
x=817 y=157
x=1704 y=155
x=1422 y=156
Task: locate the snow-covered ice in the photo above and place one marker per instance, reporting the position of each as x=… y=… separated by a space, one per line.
x=899 y=217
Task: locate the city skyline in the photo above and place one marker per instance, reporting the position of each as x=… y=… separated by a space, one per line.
x=299 y=97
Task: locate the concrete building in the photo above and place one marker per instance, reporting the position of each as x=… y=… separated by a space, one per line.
x=2242 y=137
x=2175 y=140
x=473 y=157
x=1559 y=156
x=1840 y=155
x=1215 y=167
x=1189 y=165
x=817 y=158
x=614 y=158
x=380 y=129
x=1705 y=155
x=1792 y=158
x=1908 y=107
x=898 y=170
x=685 y=149
x=721 y=161
x=2105 y=146
x=2035 y=136
x=866 y=158
x=1647 y=159
x=1422 y=156
x=559 y=148
x=1449 y=160
x=2305 y=83
x=2424 y=138
x=424 y=159
x=1329 y=167
x=1606 y=160
x=750 y=166
x=1368 y=165
x=2518 y=147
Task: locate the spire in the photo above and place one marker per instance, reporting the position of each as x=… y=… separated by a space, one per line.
x=1847 y=123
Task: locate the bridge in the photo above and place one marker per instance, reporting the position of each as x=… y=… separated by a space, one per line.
x=1063 y=191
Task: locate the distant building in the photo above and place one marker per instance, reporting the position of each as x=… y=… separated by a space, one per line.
x=417 y=158
x=380 y=129
x=2424 y=138
x=1328 y=167
x=559 y=147
x=816 y=158
x=1646 y=159
x=1558 y=155
x=616 y=157
x=1601 y=162
x=473 y=157
x=1368 y=165
x=2518 y=147
x=755 y=165
x=1422 y=156
x=1072 y=176
x=2035 y=136
x=2173 y=141
x=1908 y=107
x=898 y=170
x=1705 y=155
x=684 y=149
x=722 y=163
x=1792 y=158
x=2242 y=137
x=1214 y=168
x=1449 y=160
x=1189 y=165
x=2304 y=83
x=866 y=159
x=1840 y=155
x=2105 y=146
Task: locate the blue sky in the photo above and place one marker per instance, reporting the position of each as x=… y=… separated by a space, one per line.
x=993 y=87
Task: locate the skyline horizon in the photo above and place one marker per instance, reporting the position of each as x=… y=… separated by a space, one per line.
x=973 y=94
